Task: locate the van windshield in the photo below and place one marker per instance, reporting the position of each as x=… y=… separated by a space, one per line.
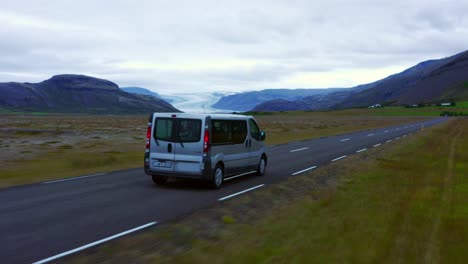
x=177 y=130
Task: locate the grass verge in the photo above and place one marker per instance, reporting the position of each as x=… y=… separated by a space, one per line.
x=57 y=165
x=401 y=202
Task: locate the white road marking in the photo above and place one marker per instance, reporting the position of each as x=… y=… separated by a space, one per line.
x=342 y=157
x=361 y=150
x=299 y=149
x=308 y=169
x=241 y=192
x=74 y=178
x=345 y=139
x=370 y=135
x=404 y=135
x=376 y=145
x=386 y=131
x=397 y=138
x=94 y=243
x=388 y=141
x=240 y=175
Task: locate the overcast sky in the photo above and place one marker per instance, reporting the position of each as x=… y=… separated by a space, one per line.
x=179 y=46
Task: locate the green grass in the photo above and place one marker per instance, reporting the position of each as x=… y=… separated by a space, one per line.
x=406 y=206
x=462 y=104
x=400 y=203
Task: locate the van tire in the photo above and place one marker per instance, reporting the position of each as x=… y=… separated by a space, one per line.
x=261 y=166
x=218 y=177
x=159 y=180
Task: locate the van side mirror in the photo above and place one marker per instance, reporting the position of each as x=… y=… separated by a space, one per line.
x=262 y=135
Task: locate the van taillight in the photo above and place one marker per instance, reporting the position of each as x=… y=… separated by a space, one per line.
x=206 y=141
x=148 y=136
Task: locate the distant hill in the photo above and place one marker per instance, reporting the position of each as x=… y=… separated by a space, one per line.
x=140 y=90
x=145 y=91
x=69 y=93
x=430 y=81
x=248 y=100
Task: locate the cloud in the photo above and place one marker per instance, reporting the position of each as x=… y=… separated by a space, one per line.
x=209 y=45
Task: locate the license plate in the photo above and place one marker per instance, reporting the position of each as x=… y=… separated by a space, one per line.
x=163 y=164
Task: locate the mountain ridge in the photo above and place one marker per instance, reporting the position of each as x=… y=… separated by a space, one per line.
x=248 y=100
x=430 y=81
x=73 y=93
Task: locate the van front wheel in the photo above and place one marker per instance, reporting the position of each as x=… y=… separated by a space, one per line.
x=261 y=166
x=159 y=180
x=218 y=177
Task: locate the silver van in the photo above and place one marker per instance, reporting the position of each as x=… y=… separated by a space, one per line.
x=212 y=147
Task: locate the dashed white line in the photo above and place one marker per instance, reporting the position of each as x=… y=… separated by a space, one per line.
x=345 y=139
x=74 y=178
x=369 y=135
x=386 y=131
x=241 y=192
x=308 y=169
x=388 y=141
x=94 y=243
x=404 y=135
x=295 y=150
x=361 y=150
x=397 y=138
x=376 y=145
x=342 y=157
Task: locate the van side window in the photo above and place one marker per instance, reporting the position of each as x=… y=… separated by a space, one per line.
x=239 y=131
x=227 y=132
x=254 y=130
x=221 y=132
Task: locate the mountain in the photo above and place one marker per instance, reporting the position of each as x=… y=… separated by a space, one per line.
x=144 y=91
x=69 y=93
x=430 y=81
x=248 y=100
x=140 y=90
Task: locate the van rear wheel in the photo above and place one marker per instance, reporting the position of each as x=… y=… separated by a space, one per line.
x=218 y=177
x=261 y=166
x=159 y=180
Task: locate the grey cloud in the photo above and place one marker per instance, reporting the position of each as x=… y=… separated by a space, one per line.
x=284 y=37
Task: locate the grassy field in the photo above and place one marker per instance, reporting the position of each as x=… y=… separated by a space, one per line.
x=38 y=147
x=404 y=202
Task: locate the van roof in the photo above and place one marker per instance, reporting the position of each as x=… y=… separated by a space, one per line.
x=202 y=116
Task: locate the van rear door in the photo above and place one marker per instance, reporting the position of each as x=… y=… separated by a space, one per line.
x=162 y=148
x=188 y=146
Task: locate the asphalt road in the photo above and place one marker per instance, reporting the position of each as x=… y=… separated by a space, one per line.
x=45 y=221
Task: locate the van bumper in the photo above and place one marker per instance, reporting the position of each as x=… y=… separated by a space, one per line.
x=205 y=174
x=182 y=175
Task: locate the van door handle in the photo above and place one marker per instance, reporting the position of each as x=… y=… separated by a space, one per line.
x=169 y=148
x=248 y=143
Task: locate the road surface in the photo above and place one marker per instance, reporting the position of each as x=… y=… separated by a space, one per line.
x=46 y=221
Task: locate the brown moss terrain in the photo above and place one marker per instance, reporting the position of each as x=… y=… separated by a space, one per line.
x=38 y=148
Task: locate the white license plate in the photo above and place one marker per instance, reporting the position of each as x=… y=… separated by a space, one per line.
x=163 y=164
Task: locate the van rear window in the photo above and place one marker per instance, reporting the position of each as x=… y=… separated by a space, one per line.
x=178 y=130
